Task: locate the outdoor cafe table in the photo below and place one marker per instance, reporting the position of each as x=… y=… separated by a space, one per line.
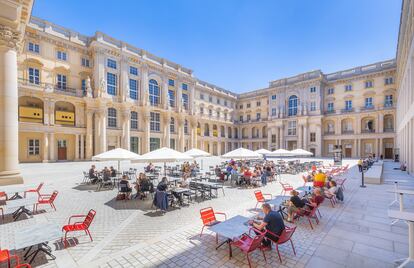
x=15 y=190
x=180 y=191
x=19 y=205
x=174 y=180
x=277 y=204
x=231 y=229
x=38 y=236
x=210 y=185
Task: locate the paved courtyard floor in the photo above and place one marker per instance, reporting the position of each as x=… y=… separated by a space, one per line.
x=356 y=233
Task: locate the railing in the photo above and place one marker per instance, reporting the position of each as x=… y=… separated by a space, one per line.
x=55 y=88
x=389 y=129
x=330 y=111
x=329 y=133
x=348 y=110
x=368 y=131
x=388 y=105
x=365 y=108
x=348 y=131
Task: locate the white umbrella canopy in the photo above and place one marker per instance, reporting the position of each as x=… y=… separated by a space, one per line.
x=263 y=151
x=280 y=153
x=163 y=155
x=197 y=153
x=242 y=153
x=301 y=152
x=117 y=154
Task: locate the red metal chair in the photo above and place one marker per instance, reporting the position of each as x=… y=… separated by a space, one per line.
x=37 y=190
x=341 y=183
x=47 y=199
x=5 y=256
x=24 y=265
x=286 y=187
x=309 y=215
x=284 y=237
x=248 y=244
x=331 y=198
x=208 y=216
x=80 y=225
x=260 y=197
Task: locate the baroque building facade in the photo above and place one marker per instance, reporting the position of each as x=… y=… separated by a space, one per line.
x=79 y=96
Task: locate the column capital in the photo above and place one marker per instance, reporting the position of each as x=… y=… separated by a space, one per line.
x=10 y=38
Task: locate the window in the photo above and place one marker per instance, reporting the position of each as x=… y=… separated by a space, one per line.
x=241 y=106
x=201 y=110
x=241 y=118
x=292 y=128
x=185 y=126
x=34 y=76
x=134 y=144
x=313 y=106
x=293 y=105
x=368 y=102
x=85 y=62
x=369 y=84
x=34 y=147
x=210 y=98
x=111 y=83
x=348 y=105
x=273 y=97
x=172 y=144
x=210 y=112
x=389 y=80
x=155 y=122
x=185 y=101
x=225 y=116
x=61 y=55
x=111 y=63
x=33 y=47
x=83 y=86
x=111 y=117
x=171 y=82
x=201 y=96
x=133 y=70
x=154 y=92
x=172 y=125
x=313 y=89
x=61 y=81
x=218 y=101
x=388 y=101
x=184 y=86
x=330 y=107
x=248 y=117
x=273 y=138
x=258 y=116
x=248 y=105
x=218 y=114
x=133 y=89
x=331 y=91
x=225 y=102
x=171 y=98
x=312 y=136
x=134 y=120
x=258 y=103
x=273 y=111
x=154 y=144
x=348 y=87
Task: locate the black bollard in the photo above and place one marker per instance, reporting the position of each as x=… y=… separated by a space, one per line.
x=362 y=179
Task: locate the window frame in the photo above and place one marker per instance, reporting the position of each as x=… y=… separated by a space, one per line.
x=112 y=117
x=34 y=148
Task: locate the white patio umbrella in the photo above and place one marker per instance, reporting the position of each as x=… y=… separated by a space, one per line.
x=301 y=152
x=117 y=154
x=163 y=155
x=280 y=153
x=241 y=154
x=263 y=151
x=196 y=153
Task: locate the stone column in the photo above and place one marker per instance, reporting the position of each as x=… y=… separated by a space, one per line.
x=146 y=140
x=46 y=118
x=167 y=133
x=179 y=95
x=380 y=125
x=144 y=85
x=380 y=151
x=76 y=147
x=89 y=137
x=306 y=137
x=82 y=147
x=300 y=137
x=126 y=129
x=45 y=147
x=181 y=138
x=51 y=112
x=100 y=132
x=281 y=138
x=124 y=79
x=191 y=98
x=9 y=124
x=359 y=148
x=164 y=91
x=52 y=146
x=318 y=135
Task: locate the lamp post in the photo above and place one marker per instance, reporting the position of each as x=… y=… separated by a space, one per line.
x=362 y=177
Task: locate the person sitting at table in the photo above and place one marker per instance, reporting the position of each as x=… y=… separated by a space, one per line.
x=106 y=174
x=295 y=204
x=331 y=190
x=163 y=186
x=124 y=187
x=113 y=171
x=150 y=168
x=272 y=222
x=217 y=171
x=93 y=175
x=319 y=179
x=228 y=170
x=317 y=197
x=247 y=176
x=143 y=185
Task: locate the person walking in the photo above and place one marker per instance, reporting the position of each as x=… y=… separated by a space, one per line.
x=360 y=162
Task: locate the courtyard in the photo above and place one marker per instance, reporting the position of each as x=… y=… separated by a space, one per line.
x=356 y=233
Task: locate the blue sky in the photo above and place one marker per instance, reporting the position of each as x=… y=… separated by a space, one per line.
x=241 y=45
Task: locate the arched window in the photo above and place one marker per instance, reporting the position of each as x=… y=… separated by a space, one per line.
x=293 y=105
x=185 y=126
x=206 y=130
x=229 y=132
x=111 y=117
x=172 y=125
x=154 y=92
x=134 y=120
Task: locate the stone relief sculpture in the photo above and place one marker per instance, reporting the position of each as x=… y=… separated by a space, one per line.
x=88 y=87
x=101 y=89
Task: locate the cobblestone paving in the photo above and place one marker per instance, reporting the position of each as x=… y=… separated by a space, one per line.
x=130 y=234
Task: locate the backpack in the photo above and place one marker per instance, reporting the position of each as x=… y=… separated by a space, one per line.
x=340 y=194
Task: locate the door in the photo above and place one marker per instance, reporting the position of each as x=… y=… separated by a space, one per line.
x=388 y=153
x=348 y=152
x=62 y=150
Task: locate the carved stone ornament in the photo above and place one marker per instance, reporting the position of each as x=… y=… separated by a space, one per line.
x=88 y=87
x=102 y=88
x=49 y=88
x=10 y=38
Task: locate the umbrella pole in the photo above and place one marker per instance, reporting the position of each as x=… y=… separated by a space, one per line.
x=165 y=169
x=119 y=166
